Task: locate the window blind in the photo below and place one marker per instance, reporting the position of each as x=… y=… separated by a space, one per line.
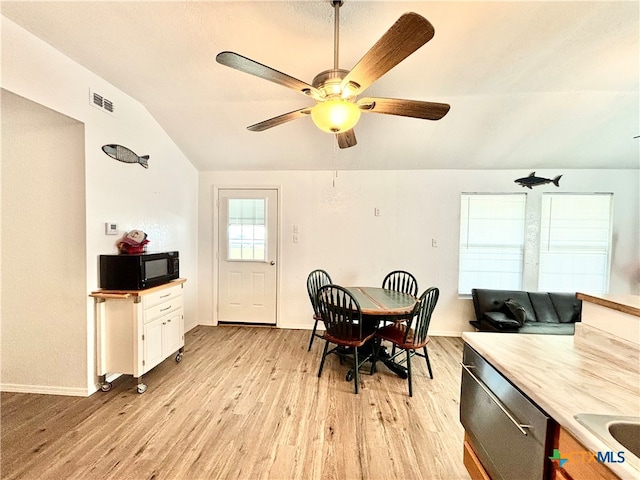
x=575 y=242
x=492 y=230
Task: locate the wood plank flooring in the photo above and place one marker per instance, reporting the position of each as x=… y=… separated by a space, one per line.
x=245 y=403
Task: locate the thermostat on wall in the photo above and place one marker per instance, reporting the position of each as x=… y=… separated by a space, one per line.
x=111 y=228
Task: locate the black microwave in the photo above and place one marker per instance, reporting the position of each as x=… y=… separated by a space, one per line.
x=138 y=271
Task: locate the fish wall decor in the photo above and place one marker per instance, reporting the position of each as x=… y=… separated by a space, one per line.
x=533 y=181
x=123 y=154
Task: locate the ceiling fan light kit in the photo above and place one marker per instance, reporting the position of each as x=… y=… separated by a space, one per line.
x=335 y=91
x=335 y=115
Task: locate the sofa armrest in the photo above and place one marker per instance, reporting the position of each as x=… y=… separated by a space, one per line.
x=500 y=321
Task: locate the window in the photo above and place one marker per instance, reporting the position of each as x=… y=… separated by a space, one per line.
x=246 y=229
x=491 y=241
x=575 y=242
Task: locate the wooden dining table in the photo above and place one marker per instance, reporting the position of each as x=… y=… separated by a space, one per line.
x=378 y=304
x=382 y=302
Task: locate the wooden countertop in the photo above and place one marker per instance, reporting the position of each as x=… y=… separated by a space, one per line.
x=101 y=293
x=623 y=303
x=565 y=375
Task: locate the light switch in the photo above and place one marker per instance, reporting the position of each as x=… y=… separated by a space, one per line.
x=376 y=212
x=295 y=229
x=296 y=239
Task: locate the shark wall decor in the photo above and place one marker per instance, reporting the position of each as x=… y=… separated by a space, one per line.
x=533 y=181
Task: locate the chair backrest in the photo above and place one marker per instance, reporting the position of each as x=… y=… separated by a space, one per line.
x=419 y=324
x=401 y=281
x=316 y=279
x=340 y=312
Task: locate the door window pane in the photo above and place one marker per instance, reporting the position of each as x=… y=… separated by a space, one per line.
x=246 y=229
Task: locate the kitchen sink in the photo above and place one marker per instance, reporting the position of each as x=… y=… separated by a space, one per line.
x=617 y=432
x=627 y=434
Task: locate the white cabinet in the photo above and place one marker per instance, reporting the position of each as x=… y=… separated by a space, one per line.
x=136 y=330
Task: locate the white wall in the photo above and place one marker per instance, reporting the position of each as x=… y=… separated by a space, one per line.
x=162 y=200
x=43 y=259
x=339 y=232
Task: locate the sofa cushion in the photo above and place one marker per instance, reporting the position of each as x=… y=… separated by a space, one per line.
x=515 y=311
x=568 y=307
x=543 y=306
x=541 y=328
x=501 y=321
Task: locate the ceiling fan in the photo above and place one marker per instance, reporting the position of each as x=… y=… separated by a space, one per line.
x=337 y=108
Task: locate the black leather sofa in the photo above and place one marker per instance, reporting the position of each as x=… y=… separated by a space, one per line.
x=525 y=312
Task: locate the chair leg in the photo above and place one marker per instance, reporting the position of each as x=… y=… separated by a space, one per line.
x=313 y=334
x=409 y=372
x=356 y=367
x=324 y=355
x=426 y=357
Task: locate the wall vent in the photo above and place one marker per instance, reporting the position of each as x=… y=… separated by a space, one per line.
x=100 y=102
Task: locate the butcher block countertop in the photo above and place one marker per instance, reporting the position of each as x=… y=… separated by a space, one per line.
x=591 y=372
x=629 y=304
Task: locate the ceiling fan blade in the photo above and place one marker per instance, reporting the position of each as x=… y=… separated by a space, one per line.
x=279 y=120
x=408 y=34
x=405 y=108
x=346 y=139
x=246 y=65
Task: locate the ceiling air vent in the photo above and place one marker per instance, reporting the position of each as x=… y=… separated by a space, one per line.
x=100 y=102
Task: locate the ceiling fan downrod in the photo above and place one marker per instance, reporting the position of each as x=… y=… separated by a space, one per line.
x=336 y=31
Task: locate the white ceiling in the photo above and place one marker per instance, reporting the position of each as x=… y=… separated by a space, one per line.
x=532 y=85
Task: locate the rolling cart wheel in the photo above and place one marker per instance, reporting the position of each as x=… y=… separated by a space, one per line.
x=142 y=388
x=178 y=357
x=349 y=376
x=105 y=387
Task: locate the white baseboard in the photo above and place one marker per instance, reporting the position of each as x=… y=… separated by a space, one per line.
x=44 y=389
x=445 y=333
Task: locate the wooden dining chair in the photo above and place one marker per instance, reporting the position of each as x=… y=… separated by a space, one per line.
x=401 y=281
x=344 y=327
x=315 y=280
x=412 y=336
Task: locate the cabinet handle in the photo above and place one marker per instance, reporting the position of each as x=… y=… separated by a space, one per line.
x=166 y=308
x=496 y=400
x=165 y=295
x=169 y=321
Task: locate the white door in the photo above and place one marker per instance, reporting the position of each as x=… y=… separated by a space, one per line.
x=247 y=255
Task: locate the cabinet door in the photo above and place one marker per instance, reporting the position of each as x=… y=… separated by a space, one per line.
x=172 y=325
x=152 y=344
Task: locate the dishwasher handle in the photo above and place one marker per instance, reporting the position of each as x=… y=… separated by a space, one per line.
x=496 y=400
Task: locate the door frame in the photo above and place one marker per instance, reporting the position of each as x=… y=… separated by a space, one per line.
x=215 y=190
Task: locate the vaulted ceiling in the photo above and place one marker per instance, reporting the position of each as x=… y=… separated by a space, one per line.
x=532 y=85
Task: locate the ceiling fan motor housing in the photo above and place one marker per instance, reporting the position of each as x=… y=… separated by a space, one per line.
x=329 y=82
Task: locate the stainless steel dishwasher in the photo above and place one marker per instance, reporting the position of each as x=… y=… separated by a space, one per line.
x=509 y=433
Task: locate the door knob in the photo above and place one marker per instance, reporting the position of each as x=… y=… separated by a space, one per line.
x=273 y=262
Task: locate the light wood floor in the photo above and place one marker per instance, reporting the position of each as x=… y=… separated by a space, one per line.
x=245 y=403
